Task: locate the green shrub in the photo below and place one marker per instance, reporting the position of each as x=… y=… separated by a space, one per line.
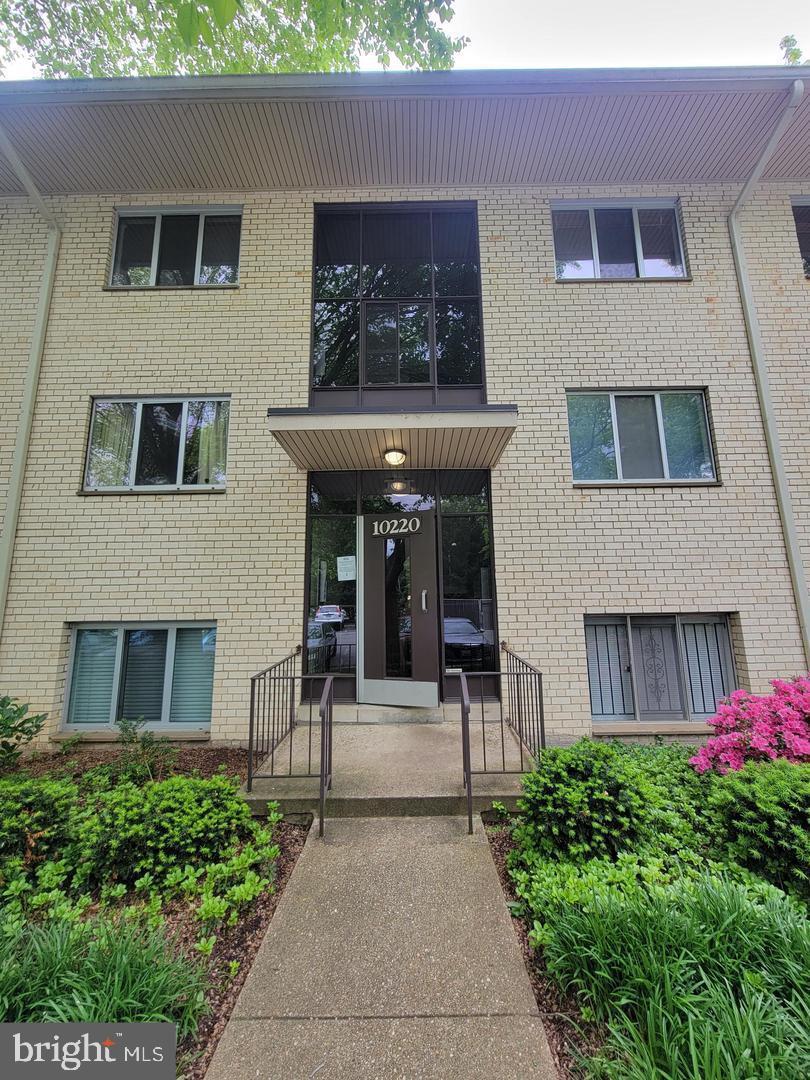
x=35 y=817
x=588 y=800
x=16 y=729
x=127 y=832
x=761 y=817
x=97 y=971
x=690 y=978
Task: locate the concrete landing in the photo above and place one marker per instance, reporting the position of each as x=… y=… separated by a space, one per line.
x=387 y=770
x=391 y=955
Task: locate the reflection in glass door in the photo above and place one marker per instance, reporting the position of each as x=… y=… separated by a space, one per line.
x=398 y=608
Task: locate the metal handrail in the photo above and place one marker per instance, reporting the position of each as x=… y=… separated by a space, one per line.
x=524 y=716
x=263 y=738
x=325 y=711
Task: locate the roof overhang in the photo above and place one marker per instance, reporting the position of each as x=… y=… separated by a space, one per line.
x=372 y=130
x=431 y=439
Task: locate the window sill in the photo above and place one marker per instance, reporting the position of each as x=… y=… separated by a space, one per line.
x=170 y=288
x=625 y=281
x=153 y=491
x=646 y=483
x=661 y=727
x=110 y=735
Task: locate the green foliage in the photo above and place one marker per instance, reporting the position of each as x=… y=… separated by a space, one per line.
x=589 y=800
x=791 y=53
x=96 y=971
x=761 y=816
x=143 y=755
x=198 y=37
x=698 y=980
x=17 y=729
x=35 y=817
x=126 y=832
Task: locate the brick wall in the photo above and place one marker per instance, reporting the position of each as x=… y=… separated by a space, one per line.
x=560 y=552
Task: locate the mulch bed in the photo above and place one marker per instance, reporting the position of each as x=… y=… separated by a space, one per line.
x=240 y=943
x=569 y=1036
x=203 y=760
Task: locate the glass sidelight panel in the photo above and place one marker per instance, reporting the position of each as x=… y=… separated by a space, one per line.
x=469 y=608
x=398 y=653
x=332 y=613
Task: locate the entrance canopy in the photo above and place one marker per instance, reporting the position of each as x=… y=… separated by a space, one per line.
x=431 y=439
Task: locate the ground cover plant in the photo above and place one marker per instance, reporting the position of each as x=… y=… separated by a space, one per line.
x=669 y=903
x=129 y=892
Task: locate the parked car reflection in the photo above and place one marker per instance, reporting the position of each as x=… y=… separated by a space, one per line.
x=465 y=645
x=321 y=645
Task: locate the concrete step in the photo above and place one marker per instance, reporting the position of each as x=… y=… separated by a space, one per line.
x=382 y=806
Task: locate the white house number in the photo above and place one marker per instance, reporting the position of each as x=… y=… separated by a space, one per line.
x=396 y=526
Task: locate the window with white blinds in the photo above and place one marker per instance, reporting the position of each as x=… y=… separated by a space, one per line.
x=162 y=674
x=657 y=668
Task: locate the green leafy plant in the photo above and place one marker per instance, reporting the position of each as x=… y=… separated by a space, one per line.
x=143 y=754
x=761 y=816
x=126 y=832
x=17 y=729
x=35 y=817
x=584 y=801
x=699 y=980
x=96 y=970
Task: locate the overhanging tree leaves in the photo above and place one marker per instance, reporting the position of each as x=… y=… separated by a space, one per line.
x=79 y=38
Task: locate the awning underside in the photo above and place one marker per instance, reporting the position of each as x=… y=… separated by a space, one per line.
x=431 y=440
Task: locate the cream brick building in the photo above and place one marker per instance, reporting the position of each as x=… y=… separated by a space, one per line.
x=136 y=593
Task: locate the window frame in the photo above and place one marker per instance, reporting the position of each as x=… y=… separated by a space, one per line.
x=139 y=402
x=168 y=672
x=676 y=619
x=158 y=213
x=802 y=201
x=363 y=389
x=633 y=205
x=666 y=479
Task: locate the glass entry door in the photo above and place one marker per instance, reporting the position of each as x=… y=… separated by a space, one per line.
x=400 y=610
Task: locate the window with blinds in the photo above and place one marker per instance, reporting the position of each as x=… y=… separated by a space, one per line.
x=657 y=668
x=163 y=675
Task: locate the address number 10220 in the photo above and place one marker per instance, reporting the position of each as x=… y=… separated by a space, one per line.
x=396 y=526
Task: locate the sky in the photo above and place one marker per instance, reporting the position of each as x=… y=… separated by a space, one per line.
x=617 y=33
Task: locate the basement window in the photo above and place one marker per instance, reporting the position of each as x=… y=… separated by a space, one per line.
x=617 y=241
x=657 y=668
x=160 y=673
x=177 y=247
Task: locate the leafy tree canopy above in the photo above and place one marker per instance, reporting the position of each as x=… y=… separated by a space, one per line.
x=97 y=38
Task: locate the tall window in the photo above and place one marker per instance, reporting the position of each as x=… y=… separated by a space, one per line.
x=801 y=216
x=147 y=444
x=397 y=304
x=658 y=668
x=161 y=674
x=633 y=436
x=617 y=241
x=181 y=247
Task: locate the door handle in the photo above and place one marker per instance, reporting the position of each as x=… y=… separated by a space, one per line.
x=424 y=600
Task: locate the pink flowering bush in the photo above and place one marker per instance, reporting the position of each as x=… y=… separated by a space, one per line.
x=752 y=727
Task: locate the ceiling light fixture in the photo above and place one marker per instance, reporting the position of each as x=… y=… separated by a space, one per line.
x=394 y=457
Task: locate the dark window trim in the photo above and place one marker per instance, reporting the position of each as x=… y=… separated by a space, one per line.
x=392 y=389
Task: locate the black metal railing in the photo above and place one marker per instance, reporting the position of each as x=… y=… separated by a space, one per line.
x=325 y=710
x=508 y=706
x=290 y=732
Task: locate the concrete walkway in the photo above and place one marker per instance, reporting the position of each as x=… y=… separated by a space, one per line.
x=391 y=957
